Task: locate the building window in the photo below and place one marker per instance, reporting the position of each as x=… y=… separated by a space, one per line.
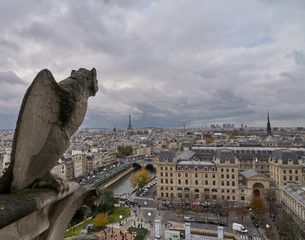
x=228 y=176
x=166 y=180
x=172 y=195
x=228 y=170
x=242 y=198
x=228 y=183
x=233 y=176
x=206 y=182
x=166 y=194
x=171 y=181
x=179 y=195
x=186 y=195
x=228 y=197
x=179 y=181
x=233 y=197
x=213 y=175
x=221 y=169
x=196 y=195
x=290 y=178
x=196 y=182
x=161 y=168
x=196 y=190
x=171 y=174
x=196 y=175
x=296 y=171
x=214 y=197
x=172 y=188
x=233 y=183
x=207 y=197
x=206 y=175
x=186 y=182
x=161 y=174
x=165 y=168
x=222 y=176
x=232 y=169
x=284 y=177
x=166 y=188
x=284 y=171
x=290 y=171
x=228 y=191
x=171 y=168
x=186 y=175
x=161 y=180
x=162 y=195
x=296 y=178
x=179 y=175
x=166 y=174
x=222 y=183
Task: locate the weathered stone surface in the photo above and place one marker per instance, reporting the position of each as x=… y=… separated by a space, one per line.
x=50 y=113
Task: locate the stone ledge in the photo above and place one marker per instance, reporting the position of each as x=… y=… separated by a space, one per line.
x=16 y=206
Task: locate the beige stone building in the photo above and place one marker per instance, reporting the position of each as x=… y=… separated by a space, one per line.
x=286 y=168
x=186 y=177
x=293 y=202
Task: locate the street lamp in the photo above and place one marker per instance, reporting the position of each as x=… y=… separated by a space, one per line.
x=268 y=228
x=149 y=214
x=121 y=220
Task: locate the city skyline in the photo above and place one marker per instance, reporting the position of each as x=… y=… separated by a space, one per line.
x=167 y=63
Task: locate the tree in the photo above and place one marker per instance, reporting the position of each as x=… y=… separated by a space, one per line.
x=108 y=201
x=225 y=205
x=140 y=178
x=258 y=207
x=100 y=220
x=197 y=210
x=125 y=151
x=242 y=212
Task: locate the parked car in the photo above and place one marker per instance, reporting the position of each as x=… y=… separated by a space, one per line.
x=145 y=203
x=201 y=221
x=188 y=219
x=222 y=224
x=255 y=223
x=211 y=222
x=252 y=216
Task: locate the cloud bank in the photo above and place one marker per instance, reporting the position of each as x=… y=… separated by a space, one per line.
x=167 y=63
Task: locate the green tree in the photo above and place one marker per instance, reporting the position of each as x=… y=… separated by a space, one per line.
x=108 y=201
x=125 y=151
x=140 y=178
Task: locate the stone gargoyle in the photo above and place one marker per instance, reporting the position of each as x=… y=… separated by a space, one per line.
x=50 y=114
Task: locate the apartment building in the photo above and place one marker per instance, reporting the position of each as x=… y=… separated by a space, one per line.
x=186 y=177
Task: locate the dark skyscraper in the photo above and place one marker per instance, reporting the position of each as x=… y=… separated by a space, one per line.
x=268 y=126
x=129 y=125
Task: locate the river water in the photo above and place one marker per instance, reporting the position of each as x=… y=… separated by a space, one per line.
x=123 y=185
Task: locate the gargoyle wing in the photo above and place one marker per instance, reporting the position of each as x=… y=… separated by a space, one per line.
x=39 y=111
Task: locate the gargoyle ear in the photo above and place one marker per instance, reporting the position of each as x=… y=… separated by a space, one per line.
x=73 y=71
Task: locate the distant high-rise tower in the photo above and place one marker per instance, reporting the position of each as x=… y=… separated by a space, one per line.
x=268 y=126
x=129 y=125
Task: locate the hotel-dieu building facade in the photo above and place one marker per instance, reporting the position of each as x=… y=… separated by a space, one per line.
x=211 y=174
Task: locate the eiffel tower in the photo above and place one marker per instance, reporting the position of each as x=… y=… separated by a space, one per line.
x=129 y=125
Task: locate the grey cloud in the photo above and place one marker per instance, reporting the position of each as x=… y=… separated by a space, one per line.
x=167 y=63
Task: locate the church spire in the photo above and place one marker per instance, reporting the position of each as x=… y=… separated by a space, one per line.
x=268 y=125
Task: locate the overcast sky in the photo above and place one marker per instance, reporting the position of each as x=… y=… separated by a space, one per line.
x=167 y=63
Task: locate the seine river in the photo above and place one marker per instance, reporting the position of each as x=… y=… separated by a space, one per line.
x=123 y=185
